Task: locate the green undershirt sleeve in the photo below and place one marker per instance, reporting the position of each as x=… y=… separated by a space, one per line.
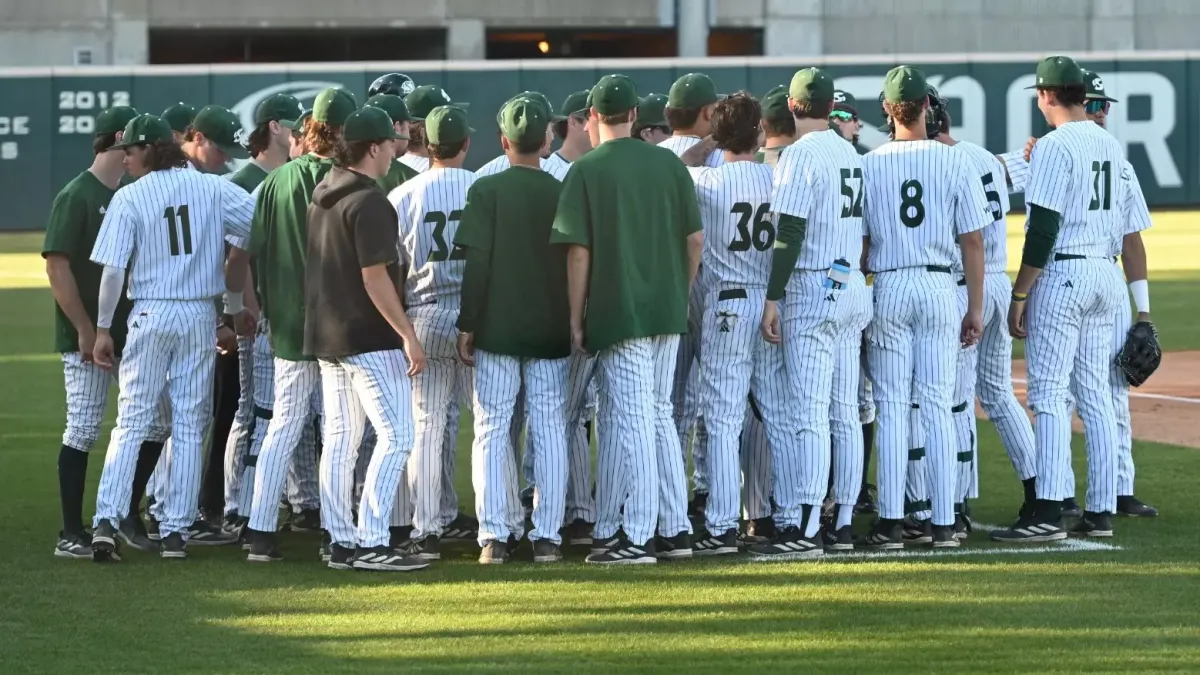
x=1039 y=238
x=474 y=289
x=787 y=250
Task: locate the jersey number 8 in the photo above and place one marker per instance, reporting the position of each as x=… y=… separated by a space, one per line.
x=763 y=235
x=912 y=209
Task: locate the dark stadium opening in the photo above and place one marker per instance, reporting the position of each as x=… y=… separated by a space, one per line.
x=598 y=44
x=215 y=45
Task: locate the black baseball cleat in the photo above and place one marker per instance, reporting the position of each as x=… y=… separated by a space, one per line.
x=1071 y=508
x=917 y=530
x=866 y=500
x=173 y=547
x=132 y=533
x=546 y=551
x=789 y=544
x=152 y=527
x=340 y=557
x=841 y=539
x=233 y=522
x=697 y=505
x=104 y=543
x=262 y=547
x=602 y=545
x=1031 y=530
x=674 y=548
x=462 y=528
x=706 y=544
x=1093 y=524
x=384 y=559
x=962 y=526
x=308 y=520
x=759 y=531
x=626 y=553
x=204 y=533
x=425 y=549
x=527 y=500
x=579 y=533
x=76 y=546
x=886 y=535
x=399 y=536
x=1135 y=508
x=944 y=537
x=494 y=552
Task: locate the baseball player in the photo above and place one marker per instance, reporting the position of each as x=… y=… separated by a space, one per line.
x=778 y=125
x=278 y=243
x=420 y=101
x=734 y=201
x=689 y=109
x=571 y=131
x=356 y=326
x=269 y=145
x=398 y=172
x=642 y=241
x=179 y=117
x=652 y=124
x=296 y=146
x=844 y=117
x=175 y=274
x=429 y=209
x=501 y=163
x=919 y=195
x=513 y=330
x=394 y=84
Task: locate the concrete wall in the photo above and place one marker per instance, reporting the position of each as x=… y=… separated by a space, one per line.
x=46 y=32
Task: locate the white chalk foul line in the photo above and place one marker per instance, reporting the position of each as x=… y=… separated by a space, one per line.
x=1069 y=545
x=1138 y=394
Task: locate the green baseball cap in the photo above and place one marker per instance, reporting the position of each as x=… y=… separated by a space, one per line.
x=392 y=105
x=694 y=90
x=811 y=84
x=278 y=108
x=333 y=105
x=447 y=124
x=145 y=129
x=524 y=119
x=541 y=98
x=1095 y=86
x=425 y=98
x=845 y=101
x=222 y=126
x=614 y=94
x=298 y=125
x=775 y=104
x=1057 y=71
x=577 y=105
x=651 y=111
x=111 y=120
x=903 y=84
x=179 y=116
x=369 y=123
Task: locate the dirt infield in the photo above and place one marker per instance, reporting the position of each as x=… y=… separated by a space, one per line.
x=1165 y=408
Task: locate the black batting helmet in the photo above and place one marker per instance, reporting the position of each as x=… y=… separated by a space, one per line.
x=396 y=84
x=938 y=107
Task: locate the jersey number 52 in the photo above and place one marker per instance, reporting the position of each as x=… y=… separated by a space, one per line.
x=762 y=237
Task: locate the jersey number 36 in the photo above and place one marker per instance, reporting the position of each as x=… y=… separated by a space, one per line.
x=761 y=237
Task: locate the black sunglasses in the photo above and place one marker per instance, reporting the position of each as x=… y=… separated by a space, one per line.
x=1097 y=105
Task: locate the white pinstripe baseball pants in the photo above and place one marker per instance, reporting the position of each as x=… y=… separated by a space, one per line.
x=372 y=386
x=844 y=409
x=86 y=386
x=757 y=468
x=295 y=384
x=169 y=342
x=581 y=503
x=237 y=447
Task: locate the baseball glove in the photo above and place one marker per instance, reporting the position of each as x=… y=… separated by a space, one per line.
x=1141 y=354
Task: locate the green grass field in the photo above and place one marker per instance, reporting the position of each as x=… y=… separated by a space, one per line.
x=1128 y=607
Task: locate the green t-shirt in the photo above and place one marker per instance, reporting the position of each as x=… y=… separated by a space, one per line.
x=514 y=293
x=396 y=176
x=279 y=242
x=634 y=206
x=75 y=220
x=248 y=177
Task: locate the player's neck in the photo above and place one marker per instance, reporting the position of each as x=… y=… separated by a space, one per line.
x=916 y=132
x=417 y=150
x=687 y=133
x=731 y=156
x=945 y=139
x=455 y=162
x=271 y=159
x=529 y=161
x=1060 y=115
x=773 y=142
x=612 y=132
x=573 y=150
x=108 y=168
x=808 y=126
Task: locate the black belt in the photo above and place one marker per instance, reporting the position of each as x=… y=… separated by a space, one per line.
x=962 y=281
x=940 y=269
x=1059 y=257
x=961 y=407
x=732 y=294
x=262 y=413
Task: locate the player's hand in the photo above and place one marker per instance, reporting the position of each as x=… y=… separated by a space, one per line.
x=226 y=340
x=416 y=356
x=103 y=353
x=1029 y=147
x=1016 y=319
x=245 y=322
x=769 y=326
x=87 y=342
x=577 y=338
x=466 y=348
x=972 y=328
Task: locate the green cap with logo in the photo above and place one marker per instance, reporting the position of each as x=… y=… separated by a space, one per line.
x=179 y=116
x=369 y=123
x=1054 y=72
x=1095 y=87
x=425 y=98
x=282 y=108
x=845 y=101
x=447 y=124
x=222 y=127
x=811 y=85
x=694 y=90
x=392 y=105
x=614 y=94
x=111 y=120
x=775 y=104
x=652 y=111
x=904 y=84
x=541 y=98
x=576 y=105
x=145 y=129
x=523 y=120
x=333 y=105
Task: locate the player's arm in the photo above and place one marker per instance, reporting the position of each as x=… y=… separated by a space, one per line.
x=792 y=200
x=1049 y=171
x=475 y=233
x=114 y=247
x=973 y=212
x=373 y=222
x=693 y=225
x=1133 y=249
x=573 y=228
x=62 y=237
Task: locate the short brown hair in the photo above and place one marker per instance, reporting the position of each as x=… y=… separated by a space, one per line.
x=784 y=126
x=164 y=155
x=350 y=153
x=735 y=123
x=416 y=133
x=811 y=110
x=321 y=138
x=102 y=143
x=560 y=130
x=681 y=118
x=447 y=150
x=904 y=113
x=1074 y=95
x=613 y=120
x=260 y=139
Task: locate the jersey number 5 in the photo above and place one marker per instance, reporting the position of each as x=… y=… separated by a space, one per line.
x=179 y=226
x=442 y=250
x=912 y=209
x=763 y=235
x=993 y=197
x=852 y=191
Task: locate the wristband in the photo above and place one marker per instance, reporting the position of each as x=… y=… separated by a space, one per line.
x=1141 y=295
x=1019 y=297
x=233 y=302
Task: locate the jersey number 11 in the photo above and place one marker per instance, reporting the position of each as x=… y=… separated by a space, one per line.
x=179 y=226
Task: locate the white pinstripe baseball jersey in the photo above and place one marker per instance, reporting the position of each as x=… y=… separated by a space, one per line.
x=556 y=165
x=1135 y=211
x=1018 y=170
x=429 y=208
x=820 y=178
x=1075 y=171
x=500 y=164
x=173 y=224
x=415 y=162
x=735 y=208
x=680 y=144
x=991 y=175
x=919 y=194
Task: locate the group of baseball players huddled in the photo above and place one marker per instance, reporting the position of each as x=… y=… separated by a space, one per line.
x=710 y=293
